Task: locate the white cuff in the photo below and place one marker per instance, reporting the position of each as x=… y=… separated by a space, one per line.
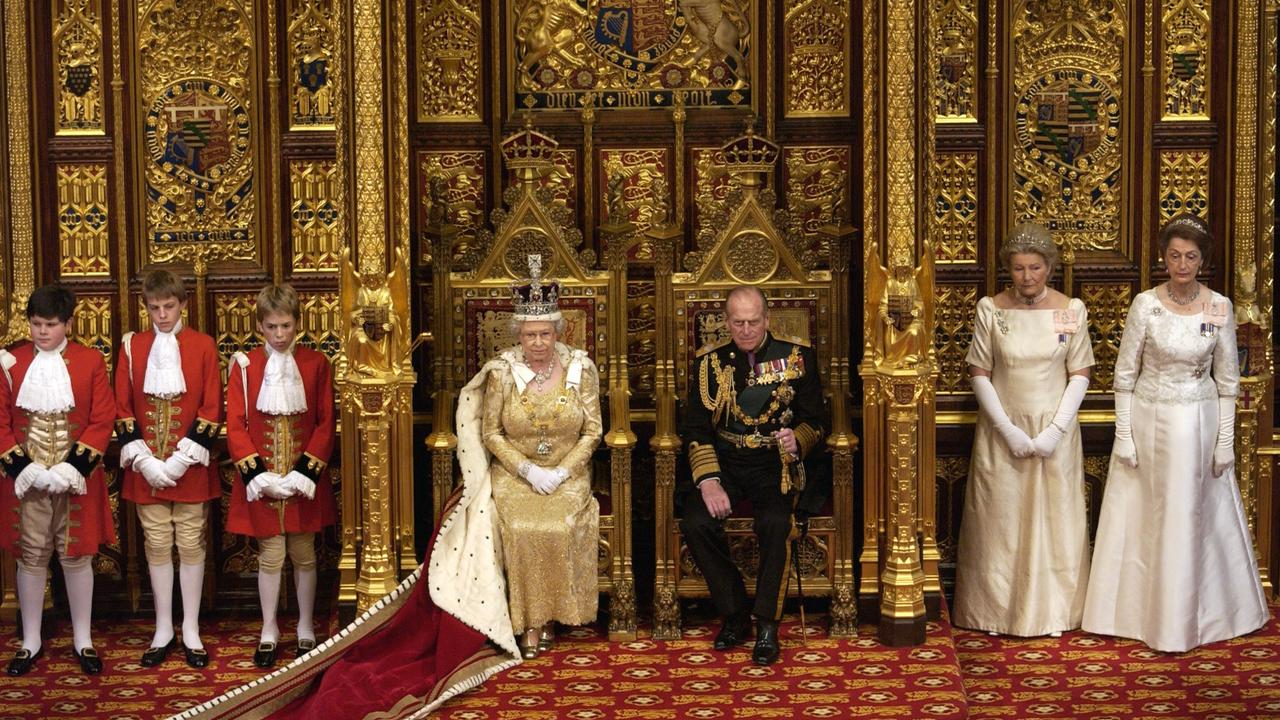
x=74 y=479
x=27 y=478
x=131 y=451
x=194 y=450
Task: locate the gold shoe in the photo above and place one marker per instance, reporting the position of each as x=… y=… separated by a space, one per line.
x=547 y=636
x=529 y=643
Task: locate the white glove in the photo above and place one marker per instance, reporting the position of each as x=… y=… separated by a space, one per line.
x=176 y=466
x=1224 y=453
x=131 y=451
x=275 y=487
x=31 y=476
x=1124 y=449
x=254 y=488
x=1019 y=444
x=544 y=480
x=52 y=483
x=153 y=472
x=300 y=484
x=1047 y=441
x=70 y=477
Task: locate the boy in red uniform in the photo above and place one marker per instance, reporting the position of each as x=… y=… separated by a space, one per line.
x=56 y=411
x=169 y=397
x=280 y=428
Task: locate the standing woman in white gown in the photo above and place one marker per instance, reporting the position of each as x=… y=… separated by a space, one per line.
x=1023 y=559
x=1173 y=564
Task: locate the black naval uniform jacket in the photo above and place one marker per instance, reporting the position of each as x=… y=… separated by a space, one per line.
x=721 y=381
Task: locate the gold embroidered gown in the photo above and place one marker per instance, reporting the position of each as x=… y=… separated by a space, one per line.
x=549 y=542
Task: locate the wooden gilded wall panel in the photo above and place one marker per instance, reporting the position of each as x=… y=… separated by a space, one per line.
x=78 y=62
x=449 y=86
x=310 y=36
x=315 y=217
x=1108 y=305
x=816 y=182
x=955 y=46
x=1184 y=183
x=956 y=208
x=816 y=58
x=1187 y=33
x=83 y=242
x=93 y=324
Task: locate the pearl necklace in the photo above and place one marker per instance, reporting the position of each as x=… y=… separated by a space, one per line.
x=1031 y=300
x=1169 y=289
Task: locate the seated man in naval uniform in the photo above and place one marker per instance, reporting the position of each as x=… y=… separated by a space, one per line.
x=755 y=410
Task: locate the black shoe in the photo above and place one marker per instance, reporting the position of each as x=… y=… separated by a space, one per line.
x=156 y=655
x=766 y=650
x=305 y=645
x=197 y=657
x=734 y=631
x=265 y=655
x=23 y=661
x=90 y=663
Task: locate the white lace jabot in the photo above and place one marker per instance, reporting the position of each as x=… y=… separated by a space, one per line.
x=164 y=366
x=282 y=391
x=46 y=388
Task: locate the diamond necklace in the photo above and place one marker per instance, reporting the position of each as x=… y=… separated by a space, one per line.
x=1180 y=301
x=1031 y=300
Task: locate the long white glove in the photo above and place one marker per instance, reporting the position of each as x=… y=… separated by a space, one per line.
x=276 y=488
x=131 y=451
x=1224 y=454
x=176 y=466
x=153 y=472
x=1019 y=444
x=544 y=480
x=300 y=484
x=28 y=478
x=1124 y=449
x=253 y=490
x=1047 y=441
x=70 y=477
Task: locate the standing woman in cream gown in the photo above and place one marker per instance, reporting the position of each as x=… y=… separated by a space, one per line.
x=1023 y=555
x=1173 y=564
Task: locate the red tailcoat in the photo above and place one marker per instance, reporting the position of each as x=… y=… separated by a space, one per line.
x=90 y=523
x=251 y=439
x=198 y=417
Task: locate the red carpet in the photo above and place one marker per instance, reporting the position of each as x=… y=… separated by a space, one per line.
x=586 y=678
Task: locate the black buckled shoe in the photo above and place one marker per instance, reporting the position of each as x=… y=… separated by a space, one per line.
x=265 y=655
x=90 y=663
x=767 y=649
x=734 y=631
x=197 y=657
x=23 y=661
x=156 y=655
x=305 y=645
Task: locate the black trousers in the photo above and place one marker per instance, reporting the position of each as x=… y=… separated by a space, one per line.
x=751 y=475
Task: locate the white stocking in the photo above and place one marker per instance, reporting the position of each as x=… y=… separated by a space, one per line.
x=79 y=579
x=162 y=589
x=269 y=596
x=305 y=581
x=31 y=605
x=191 y=578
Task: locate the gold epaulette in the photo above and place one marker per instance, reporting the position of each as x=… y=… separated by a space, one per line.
x=712 y=346
x=793 y=339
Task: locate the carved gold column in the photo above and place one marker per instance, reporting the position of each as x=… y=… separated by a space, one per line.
x=618 y=234
x=841 y=441
x=897 y=366
x=371 y=121
x=1250 y=222
x=665 y=442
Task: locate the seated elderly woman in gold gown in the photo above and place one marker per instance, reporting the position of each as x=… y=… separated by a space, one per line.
x=539 y=421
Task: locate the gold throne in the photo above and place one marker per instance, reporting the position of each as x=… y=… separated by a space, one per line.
x=473 y=299
x=747 y=240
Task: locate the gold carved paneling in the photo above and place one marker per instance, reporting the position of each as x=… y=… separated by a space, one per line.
x=635 y=54
x=634 y=170
x=92 y=325
x=642 y=312
x=235 y=325
x=561 y=181
x=321 y=322
x=1186 y=61
x=955 y=311
x=448 y=45
x=1068 y=79
x=817 y=183
x=315 y=217
x=955 y=45
x=953 y=476
x=310 y=39
x=816 y=58
x=956 y=209
x=456 y=179
x=198 y=147
x=1184 y=183
x=1108 y=305
x=711 y=183
x=82 y=221
x=77 y=42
